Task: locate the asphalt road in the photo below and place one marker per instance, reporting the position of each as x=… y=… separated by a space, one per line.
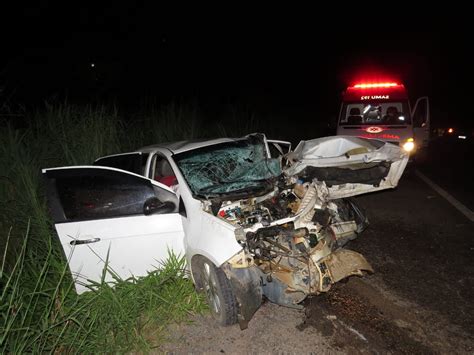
x=419 y=300
x=450 y=164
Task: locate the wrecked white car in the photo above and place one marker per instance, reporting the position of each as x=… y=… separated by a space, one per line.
x=252 y=218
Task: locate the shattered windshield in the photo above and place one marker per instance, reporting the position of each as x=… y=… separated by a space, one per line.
x=235 y=167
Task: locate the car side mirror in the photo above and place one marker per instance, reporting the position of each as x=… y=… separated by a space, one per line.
x=154 y=206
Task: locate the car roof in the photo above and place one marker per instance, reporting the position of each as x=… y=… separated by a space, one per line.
x=183 y=146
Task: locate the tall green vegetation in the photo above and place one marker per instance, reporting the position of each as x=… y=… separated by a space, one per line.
x=40 y=312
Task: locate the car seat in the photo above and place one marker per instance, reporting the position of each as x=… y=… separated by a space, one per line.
x=164 y=173
x=354 y=116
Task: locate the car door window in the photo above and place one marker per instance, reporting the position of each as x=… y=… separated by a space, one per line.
x=275 y=150
x=162 y=171
x=133 y=162
x=278 y=148
x=96 y=193
x=101 y=196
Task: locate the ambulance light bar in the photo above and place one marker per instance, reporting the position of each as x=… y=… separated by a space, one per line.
x=375 y=85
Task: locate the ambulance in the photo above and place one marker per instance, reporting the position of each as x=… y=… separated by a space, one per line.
x=382 y=110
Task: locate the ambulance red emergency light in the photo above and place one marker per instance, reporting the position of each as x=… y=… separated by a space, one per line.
x=382 y=110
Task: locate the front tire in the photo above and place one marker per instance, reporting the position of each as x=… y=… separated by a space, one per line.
x=219 y=294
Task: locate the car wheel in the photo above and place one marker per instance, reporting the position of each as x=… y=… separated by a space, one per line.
x=219 y=294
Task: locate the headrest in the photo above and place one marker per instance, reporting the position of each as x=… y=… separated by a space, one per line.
x=164 y=168
x=354 y=111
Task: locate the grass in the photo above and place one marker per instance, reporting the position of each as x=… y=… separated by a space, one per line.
x=40 y=311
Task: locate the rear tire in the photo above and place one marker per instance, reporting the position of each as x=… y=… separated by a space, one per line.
x=219 y=294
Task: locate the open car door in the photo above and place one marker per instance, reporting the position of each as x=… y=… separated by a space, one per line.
x=421 y=121
x=109 y=215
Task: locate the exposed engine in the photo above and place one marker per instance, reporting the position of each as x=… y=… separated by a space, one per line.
x=303 y=204
x=291 y=232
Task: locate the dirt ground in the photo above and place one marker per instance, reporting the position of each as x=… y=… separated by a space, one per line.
x=420 y=300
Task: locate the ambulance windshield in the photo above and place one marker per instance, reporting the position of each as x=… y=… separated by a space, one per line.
x=374 y=112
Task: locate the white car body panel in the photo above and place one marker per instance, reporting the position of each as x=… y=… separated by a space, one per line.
x=336 y=152
x=136 y=245
x=216 y=240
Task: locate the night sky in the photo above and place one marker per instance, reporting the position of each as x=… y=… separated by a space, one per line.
x=294 y=63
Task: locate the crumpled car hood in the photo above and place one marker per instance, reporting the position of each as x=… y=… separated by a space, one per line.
x=348 y=166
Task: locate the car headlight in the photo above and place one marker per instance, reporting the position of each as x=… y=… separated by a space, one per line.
x=409 y=145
